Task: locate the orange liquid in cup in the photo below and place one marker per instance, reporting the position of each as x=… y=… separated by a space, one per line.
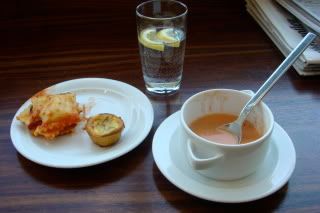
x=207 y=127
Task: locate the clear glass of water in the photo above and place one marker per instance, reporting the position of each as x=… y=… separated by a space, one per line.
x=161 y=27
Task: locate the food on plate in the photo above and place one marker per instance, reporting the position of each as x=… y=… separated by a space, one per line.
x=51 y=115
x=105 y=129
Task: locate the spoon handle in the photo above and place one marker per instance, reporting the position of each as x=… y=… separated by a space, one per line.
x=282 y=68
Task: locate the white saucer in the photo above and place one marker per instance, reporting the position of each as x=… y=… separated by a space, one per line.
x=169 y=155
x=76 y=149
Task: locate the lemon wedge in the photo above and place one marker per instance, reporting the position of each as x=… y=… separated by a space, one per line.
x=170 y=36
x=148 y=38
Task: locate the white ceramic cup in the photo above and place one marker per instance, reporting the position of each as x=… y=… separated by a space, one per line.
x=223 y=161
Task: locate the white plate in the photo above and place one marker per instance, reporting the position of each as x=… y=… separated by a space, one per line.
x=76 y=149
x=169 y=154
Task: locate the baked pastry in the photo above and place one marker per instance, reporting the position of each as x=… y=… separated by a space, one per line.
x=51 y=115
x=104 y=129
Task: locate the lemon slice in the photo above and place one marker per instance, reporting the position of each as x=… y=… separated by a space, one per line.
x=148 y=38
x=170 y=36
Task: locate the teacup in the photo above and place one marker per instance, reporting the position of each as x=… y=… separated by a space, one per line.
x=225 y=161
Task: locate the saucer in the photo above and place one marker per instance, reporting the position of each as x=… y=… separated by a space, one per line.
x=169 y=154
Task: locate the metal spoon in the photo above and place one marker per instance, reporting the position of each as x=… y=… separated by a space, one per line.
x=235 y=127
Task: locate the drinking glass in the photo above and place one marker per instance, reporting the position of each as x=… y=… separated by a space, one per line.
x=161 y=28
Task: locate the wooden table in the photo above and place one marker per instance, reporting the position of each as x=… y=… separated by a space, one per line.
x=46 y=42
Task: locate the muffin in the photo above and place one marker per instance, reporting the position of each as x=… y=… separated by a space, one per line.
x=104 y=129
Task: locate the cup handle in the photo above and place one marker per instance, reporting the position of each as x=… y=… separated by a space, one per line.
x=200 y=163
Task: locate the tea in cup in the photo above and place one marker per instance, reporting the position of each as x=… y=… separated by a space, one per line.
x=215 y=153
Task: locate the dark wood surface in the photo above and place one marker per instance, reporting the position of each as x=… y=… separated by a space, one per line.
x=46 y=42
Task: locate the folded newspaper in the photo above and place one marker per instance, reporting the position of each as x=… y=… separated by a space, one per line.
x=286 y=32
x=307 y=11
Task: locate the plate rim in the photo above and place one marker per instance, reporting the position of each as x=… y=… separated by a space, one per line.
x=144 y=134
x=188 y=190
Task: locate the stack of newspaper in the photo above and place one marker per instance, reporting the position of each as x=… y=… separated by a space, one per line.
x=287 y=30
